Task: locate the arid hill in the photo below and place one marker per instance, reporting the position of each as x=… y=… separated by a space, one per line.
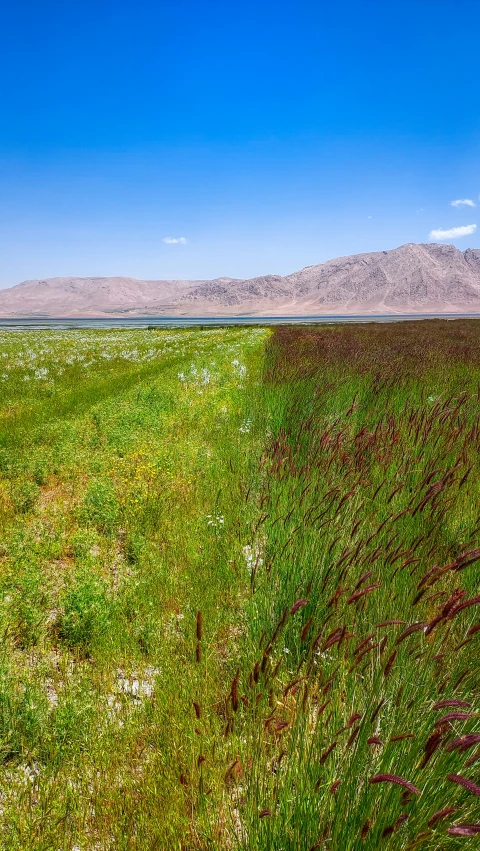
x=410 y=279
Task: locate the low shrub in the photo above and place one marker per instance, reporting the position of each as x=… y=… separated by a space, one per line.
x=86 y=615
x=100 y=506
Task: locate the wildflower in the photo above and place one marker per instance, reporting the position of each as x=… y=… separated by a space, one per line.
x=215 y=520
x=252 y=557
x=239 y=368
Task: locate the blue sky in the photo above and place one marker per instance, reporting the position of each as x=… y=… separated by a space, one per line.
x=268 y=135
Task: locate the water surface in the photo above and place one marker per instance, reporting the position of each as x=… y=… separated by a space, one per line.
x=39 y=323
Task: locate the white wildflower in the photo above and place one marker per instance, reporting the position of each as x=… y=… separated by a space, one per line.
x=252 y=557
x=216 y=521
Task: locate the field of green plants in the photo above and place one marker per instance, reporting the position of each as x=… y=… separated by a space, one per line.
x=240 y=588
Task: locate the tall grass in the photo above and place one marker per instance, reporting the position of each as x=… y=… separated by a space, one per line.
x=358 y=721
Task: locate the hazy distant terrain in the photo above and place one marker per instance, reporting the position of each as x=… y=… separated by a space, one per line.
x=410 y=279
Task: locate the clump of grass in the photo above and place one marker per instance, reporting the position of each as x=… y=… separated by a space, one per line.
x=24 y=496
x=100 y=506
x=23 y=713
x=86 y=613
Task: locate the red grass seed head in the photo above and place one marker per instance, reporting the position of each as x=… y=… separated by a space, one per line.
x=393 y=778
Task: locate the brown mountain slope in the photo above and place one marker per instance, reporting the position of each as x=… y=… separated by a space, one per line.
x=410 y=279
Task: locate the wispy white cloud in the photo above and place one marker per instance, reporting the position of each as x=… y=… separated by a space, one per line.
x=463 y=202
x=175 y=240
x=452 y=233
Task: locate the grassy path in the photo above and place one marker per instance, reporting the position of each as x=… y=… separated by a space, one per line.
x=120 y=525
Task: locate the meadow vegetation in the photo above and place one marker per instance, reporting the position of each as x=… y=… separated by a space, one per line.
x=239 y=588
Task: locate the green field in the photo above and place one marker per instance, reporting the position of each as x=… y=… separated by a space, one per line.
x=239 y=588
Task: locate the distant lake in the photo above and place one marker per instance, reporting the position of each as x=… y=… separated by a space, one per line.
x=38 y=323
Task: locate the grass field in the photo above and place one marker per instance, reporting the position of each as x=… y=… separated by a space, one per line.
x=239 y=589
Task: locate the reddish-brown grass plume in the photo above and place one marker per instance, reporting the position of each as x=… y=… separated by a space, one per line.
x=393 y=778
x=464 y=743
x=467 y=784
x=464 y=830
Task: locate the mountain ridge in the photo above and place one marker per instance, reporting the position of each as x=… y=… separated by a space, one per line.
x=413 y=278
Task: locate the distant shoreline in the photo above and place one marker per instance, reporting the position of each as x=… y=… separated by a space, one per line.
x=151 y=322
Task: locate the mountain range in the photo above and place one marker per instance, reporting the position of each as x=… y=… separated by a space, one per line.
x=414 y=278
